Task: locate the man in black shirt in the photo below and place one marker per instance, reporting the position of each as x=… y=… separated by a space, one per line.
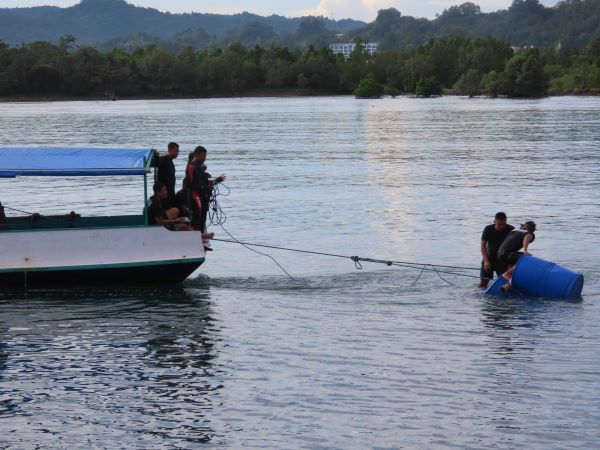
x=159 y=215
x=166 y=171
x=182 y=202
x=492 y=238
x=517 y=240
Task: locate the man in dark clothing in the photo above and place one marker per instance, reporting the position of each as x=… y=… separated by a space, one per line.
x=182 y=203
x=166 y=171
x=3 y=221
x=492 y=238
x=159 y=215
x=511 y=261
x=199 y=185
x=517 y=240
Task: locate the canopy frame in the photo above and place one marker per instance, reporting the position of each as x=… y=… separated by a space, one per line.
x=77 y=162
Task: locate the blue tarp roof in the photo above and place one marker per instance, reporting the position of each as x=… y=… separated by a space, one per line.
x=20 y=161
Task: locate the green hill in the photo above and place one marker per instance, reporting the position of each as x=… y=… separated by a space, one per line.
x=570 y=23
x=95 y=21
x=109 y=24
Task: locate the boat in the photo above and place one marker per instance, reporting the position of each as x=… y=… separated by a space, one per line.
x=72 y=249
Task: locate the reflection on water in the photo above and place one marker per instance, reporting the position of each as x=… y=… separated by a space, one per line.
x=100 y=354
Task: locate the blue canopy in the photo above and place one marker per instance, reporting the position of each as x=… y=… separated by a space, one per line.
x=20 y=161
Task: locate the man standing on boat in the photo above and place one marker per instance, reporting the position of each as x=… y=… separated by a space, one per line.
x=492 y=238
x=200 y=185
x=166 y=171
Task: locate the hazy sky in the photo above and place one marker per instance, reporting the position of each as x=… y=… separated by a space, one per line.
x=338 y=9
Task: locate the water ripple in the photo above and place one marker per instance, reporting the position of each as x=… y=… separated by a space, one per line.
x=242 y=356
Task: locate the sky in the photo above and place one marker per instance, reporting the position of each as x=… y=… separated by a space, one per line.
x=336 y=9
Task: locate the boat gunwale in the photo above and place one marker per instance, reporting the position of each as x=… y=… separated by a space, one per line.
x=8 y=231
x=200 y=261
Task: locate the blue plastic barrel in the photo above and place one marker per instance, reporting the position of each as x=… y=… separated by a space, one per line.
x=496 y=288
x=536 y=277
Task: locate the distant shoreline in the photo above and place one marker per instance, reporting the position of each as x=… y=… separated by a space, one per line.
x=292 y=93
x=282 y=93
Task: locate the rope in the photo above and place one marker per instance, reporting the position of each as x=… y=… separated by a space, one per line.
x=216 y=214
x=358 y=260
x=21 y=211
x=35 y=216
x=253 y=250
x=218 y=217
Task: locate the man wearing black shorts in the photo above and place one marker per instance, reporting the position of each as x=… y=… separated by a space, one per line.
x=492 y=238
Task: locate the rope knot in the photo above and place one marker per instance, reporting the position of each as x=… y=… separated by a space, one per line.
x=357 y=263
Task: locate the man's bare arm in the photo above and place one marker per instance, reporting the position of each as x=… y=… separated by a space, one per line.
x=486 y=261
x=526 y=241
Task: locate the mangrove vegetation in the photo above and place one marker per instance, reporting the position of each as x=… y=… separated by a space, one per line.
x=452 y=64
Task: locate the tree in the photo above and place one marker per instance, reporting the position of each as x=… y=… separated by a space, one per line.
x=369 y=88
x=469 y=83
x=491 y=84
x=524 y=76
x=67 y=42
x=318 y=72
x=428 y=86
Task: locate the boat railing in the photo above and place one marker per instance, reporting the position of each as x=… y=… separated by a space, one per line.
x=72 y=220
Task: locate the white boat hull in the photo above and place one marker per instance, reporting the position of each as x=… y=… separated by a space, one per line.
x=99 y=255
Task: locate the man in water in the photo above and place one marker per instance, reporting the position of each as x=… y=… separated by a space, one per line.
x=517 y=240
x=491 y=239
x=166 y=170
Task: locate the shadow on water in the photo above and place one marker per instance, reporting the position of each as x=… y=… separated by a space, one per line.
x=138 y=360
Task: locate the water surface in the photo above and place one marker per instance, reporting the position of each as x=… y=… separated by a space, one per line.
x=240 y=355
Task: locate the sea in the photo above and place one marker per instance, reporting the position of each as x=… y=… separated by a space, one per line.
x=331 y=354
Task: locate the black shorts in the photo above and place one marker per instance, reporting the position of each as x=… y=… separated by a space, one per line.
x=497 y=266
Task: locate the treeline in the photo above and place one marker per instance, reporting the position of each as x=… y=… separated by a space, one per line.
x=461 y=65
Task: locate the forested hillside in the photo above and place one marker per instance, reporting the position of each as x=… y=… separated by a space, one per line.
x=109 y=24
x=96 y=21
x=571 y=23
x=470 y=66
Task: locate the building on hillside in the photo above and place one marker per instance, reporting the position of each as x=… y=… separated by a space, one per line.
x=522 y=48
x=347 y=48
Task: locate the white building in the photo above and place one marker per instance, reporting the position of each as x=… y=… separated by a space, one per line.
x=347 y=48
